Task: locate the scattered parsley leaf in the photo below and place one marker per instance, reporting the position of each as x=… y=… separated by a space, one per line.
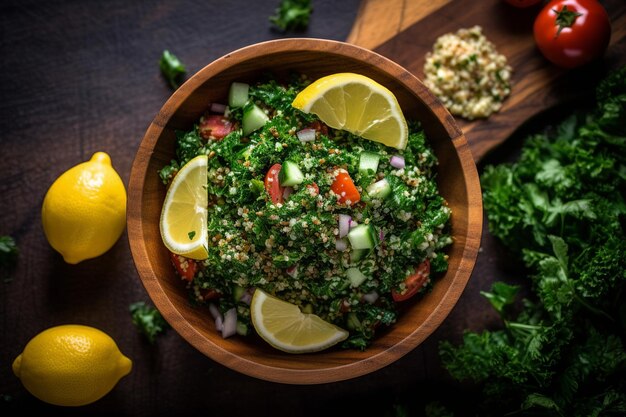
x=171 y=68
x=148 y=320
x=292 y=15
x=191 y=234
x=562 y=210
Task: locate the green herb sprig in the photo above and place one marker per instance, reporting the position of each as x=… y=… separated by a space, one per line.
x=171 y=68
x=148 y=320
x=292 y=15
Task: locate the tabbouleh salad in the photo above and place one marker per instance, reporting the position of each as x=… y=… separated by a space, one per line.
x=344 y=227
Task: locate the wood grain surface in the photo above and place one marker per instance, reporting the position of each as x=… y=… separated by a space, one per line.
x=457 y=177
x=536 y=84
x=79 y=77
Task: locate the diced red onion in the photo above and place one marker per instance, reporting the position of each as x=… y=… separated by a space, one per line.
x=246 y=297
x=215 y=312
x=344 y=224
x=219 y=323
x=306 y=135
x=381 y=235
x=292 y=271
x=341 y=244
x=287 y=192
x=371 y=297
x=230 y=323
x=218 y=108
x=353 y=224
x=397 y=161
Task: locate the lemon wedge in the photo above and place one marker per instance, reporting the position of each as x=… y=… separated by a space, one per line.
x=358 y=104
x=284 y=326
x=184 y=213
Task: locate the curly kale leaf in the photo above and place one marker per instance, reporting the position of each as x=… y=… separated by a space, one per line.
x=171 y=68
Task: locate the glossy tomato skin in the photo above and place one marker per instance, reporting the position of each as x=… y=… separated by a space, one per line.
x=185 y=267
x=579 y=43
x=344 y=187
x=523 y=3
x=272 y=185
x=413 y=283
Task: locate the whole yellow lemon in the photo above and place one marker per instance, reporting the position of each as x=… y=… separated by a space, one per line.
x=84 y=211
x=71 y=365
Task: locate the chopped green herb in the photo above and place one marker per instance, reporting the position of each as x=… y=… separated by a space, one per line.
x=191 y=234
x=148 y=320
x=292 y=15
x=171 y=68
x=561 y=209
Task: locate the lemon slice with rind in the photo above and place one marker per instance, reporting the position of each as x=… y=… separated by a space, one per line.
x=285 y=327
x=358 y=104
x=184 y=214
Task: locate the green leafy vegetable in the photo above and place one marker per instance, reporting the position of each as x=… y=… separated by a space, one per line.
x=148 y=320
x=8 y=251
x=171 y=68
x=561 y=209
x=292 y=15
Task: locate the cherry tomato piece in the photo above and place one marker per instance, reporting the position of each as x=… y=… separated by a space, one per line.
x=185 y=267
x=313 y=189
x=413 y=283
x=344 y=187
x=272 y=185
x=215 y=127
x=571 y=33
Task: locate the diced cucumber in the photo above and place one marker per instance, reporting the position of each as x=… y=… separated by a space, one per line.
x=257 y=186
x=253 y=119
x=363 y=237
x=238 y=293
x=353 y=322
x=355 y=276
x=238 y=94
x=290 y=174
x=368 y=160
x=357 y=254
x=242 y=328
x=380 y=189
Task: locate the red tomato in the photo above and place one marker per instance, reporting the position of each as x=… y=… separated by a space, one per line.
x=185 y=267
x=414 y=282
x=570 y=33
x=210 y=294
x=313 y=189
x=215 y=127
x=272 y=185
x=344 y=188
x=523 y=3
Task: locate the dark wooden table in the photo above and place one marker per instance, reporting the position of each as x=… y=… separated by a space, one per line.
x=78 y=77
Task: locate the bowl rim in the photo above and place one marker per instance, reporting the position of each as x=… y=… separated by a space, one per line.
x=289 y=375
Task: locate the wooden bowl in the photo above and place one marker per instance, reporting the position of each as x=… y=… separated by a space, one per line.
x=457 y=177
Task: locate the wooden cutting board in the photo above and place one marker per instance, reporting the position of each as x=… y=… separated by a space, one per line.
x=405 y=30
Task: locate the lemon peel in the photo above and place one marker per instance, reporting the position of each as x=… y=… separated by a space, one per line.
x=357 y=104
x=84 y=211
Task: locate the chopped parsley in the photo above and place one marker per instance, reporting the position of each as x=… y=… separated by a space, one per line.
x=191 y=234
x=8 y=255
x=561 y=209
x=148 y=320
x=289 y=248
